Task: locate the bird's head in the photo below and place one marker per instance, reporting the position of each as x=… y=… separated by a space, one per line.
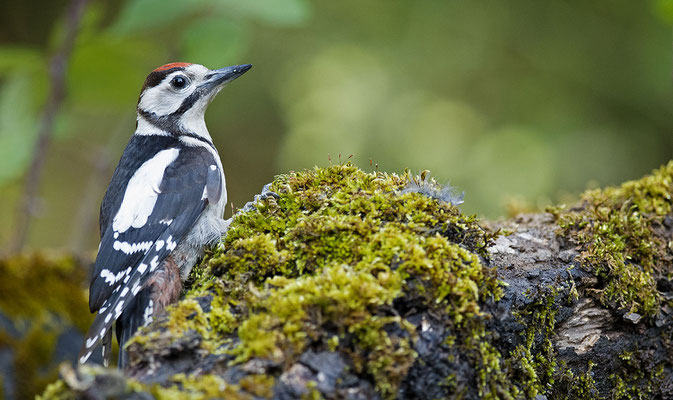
x=175 y=96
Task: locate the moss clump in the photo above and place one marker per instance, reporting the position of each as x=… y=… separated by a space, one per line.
x=258 y=385
x=336 y=249
x=287 y=318
x=533 y=366
x=324 y=266
x=57 y=391
x=41 y=298
x=199 y=387
x=358 y=263
x=634 y=381
x=97 y=382
x=533 y=362
x=624 y=241
x=571 y=386
x=187 y=318
x=38 y=283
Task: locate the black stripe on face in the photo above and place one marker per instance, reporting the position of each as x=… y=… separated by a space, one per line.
x=171 y=124
x=188 y=102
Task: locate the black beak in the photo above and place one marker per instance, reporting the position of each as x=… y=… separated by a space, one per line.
x=219 y=77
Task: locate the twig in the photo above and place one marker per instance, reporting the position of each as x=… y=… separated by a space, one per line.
x=57 y=74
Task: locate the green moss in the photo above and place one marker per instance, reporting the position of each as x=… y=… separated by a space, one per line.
x=42 y=295
x=187 y=317
x=32 y=353
x=347 y=244
x=38 y=283
x=57 y=391
x=571 y=386
x=192 y=387
x=322 y=265
x=326 y=265
x=533 y=363
x=258 y=385
x=313 y=393
x=616 y=229
x=534 y=368
x=621 y=235
x=633 y=381
x=177 y=387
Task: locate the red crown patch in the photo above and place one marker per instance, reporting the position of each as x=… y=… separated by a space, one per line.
x=173 y=65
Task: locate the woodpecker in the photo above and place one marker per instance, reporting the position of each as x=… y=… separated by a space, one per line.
x=164 y=204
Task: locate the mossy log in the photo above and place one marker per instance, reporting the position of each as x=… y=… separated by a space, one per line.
x=354 y=285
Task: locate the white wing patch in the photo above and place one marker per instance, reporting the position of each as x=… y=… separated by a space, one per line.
x=85 y=357
x=170 y=244
x=130 y=248
x=155 y=262
x=111 y=278
x=142 y=267
x=142 y=191
x=147 y=316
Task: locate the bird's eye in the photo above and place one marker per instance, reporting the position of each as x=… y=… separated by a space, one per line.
x=179 y=82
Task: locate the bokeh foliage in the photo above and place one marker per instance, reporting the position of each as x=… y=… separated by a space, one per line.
x=517 y=98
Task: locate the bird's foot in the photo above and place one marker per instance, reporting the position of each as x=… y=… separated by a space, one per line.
x=265 y=194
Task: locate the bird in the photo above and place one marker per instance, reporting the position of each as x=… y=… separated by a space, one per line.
x=163 y=206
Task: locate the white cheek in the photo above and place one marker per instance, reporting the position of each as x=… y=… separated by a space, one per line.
x=160 y=101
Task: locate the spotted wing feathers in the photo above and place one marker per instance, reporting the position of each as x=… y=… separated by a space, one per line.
x=160 y=203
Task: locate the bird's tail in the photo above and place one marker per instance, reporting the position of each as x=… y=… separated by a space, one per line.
x=107 y=348
x=138 y=313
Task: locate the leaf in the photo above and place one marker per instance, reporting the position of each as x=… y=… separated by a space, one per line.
x=214 y=42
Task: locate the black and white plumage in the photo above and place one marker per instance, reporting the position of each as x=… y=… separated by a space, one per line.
x=164 y=204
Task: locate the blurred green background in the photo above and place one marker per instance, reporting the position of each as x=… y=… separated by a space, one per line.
x=523 y=102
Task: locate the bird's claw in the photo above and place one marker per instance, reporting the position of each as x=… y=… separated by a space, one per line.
x=265 y=194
